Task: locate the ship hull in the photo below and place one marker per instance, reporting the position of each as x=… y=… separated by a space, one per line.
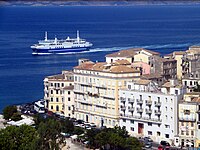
x=59 y=51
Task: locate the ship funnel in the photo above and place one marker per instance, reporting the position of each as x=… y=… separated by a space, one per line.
x=45 y=36
x=55 y=41
x=78 y=38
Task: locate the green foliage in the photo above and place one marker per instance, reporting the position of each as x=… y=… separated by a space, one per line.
x=18 y=138
x=67 y=126
x=112 y=138
x=16 y=116
x=50 y=135
x=78 y=130
x=9 y=111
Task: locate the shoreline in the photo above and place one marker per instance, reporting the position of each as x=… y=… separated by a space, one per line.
x=98 y=3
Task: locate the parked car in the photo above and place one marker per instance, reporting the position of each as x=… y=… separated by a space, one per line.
x=160 y=147
x=164 y=143
x=148 y=145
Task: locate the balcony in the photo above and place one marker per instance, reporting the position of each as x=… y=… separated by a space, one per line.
x=141 y=118
x=192 y=119
x=122 y=99
x=122 y=107
x=148 y=111
x=130 y=108
x=131 y=100
x=139 y=101
x=157 y=104
x=139 y=110
x=157 y=112
x=148 y=102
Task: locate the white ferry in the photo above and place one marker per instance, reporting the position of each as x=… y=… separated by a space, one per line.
x=55 y=46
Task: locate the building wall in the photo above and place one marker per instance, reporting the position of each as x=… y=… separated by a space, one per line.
x=178 y=58
x=69 y=103
x=145 y=67
x=96 y=96
x=163 y=122
x=113 y=59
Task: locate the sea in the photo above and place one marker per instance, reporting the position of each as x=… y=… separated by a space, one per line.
x=163 y=28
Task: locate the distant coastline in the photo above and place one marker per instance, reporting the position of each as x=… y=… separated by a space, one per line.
x=95 y=2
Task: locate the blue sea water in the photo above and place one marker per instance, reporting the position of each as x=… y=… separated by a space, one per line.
x=110 y=28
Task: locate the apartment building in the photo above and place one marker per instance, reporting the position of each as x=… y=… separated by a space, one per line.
x=189 y=121
x=190 y=83
x=178 y=56
x=147 y=110
x=58 y=93
x=148 y=61
x=127 y=54
x=96 y=88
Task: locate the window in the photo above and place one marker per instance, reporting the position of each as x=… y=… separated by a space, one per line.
x=51 y=84
x=149 y=124
x=51 y=99
x=182 y=123
x=176 y=92
x=56 y=99
x=187 y=132
x=68 y=92
x=186 y=112
x=182 y=132
x=158 y=133
x=166 y=135
x=56 y=91
x=69 y=108
x=51 y=107
x=132 y=121
x=57 y=108
x=190 y=82
x=51 y=91
x=132 y=129
x=185 y=83
x=192 y=133
x=124 y=120
x=192 y=124
x=62 y=84
x=149 y=132
x=68 y=98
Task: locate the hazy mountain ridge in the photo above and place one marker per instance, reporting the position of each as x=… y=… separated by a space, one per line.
x=95 y=2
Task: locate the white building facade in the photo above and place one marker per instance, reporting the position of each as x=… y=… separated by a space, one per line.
x=146 y=110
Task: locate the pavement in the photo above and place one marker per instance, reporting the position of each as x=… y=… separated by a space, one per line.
x=73 y=146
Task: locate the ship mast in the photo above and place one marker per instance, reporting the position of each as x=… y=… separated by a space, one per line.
x=78 y=39
x=45 y=36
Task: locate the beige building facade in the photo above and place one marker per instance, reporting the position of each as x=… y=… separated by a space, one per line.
x=58 y=93
x=96 y=88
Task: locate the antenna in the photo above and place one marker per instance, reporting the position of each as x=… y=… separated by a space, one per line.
x=78 y=39
x=45 y=36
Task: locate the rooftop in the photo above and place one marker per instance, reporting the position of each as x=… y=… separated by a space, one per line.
x=125 y=53
x=119 y=67
x=142 y=82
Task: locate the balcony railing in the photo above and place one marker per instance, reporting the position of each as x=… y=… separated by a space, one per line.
x=131 y=100
x=187 y=119
x=157 y=120
x=123 y=107
x=139 y=101
x=130 y=108
x=157 y=104
x=139 y=110
x=148 y=111
x=157 y=112
x=148 y=102
x=122 y=99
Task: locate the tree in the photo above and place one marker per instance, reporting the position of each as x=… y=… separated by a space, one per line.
x=50 y=135
x=67 y=126
x=18 y=138
x=9 y=111
x=16 y=116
